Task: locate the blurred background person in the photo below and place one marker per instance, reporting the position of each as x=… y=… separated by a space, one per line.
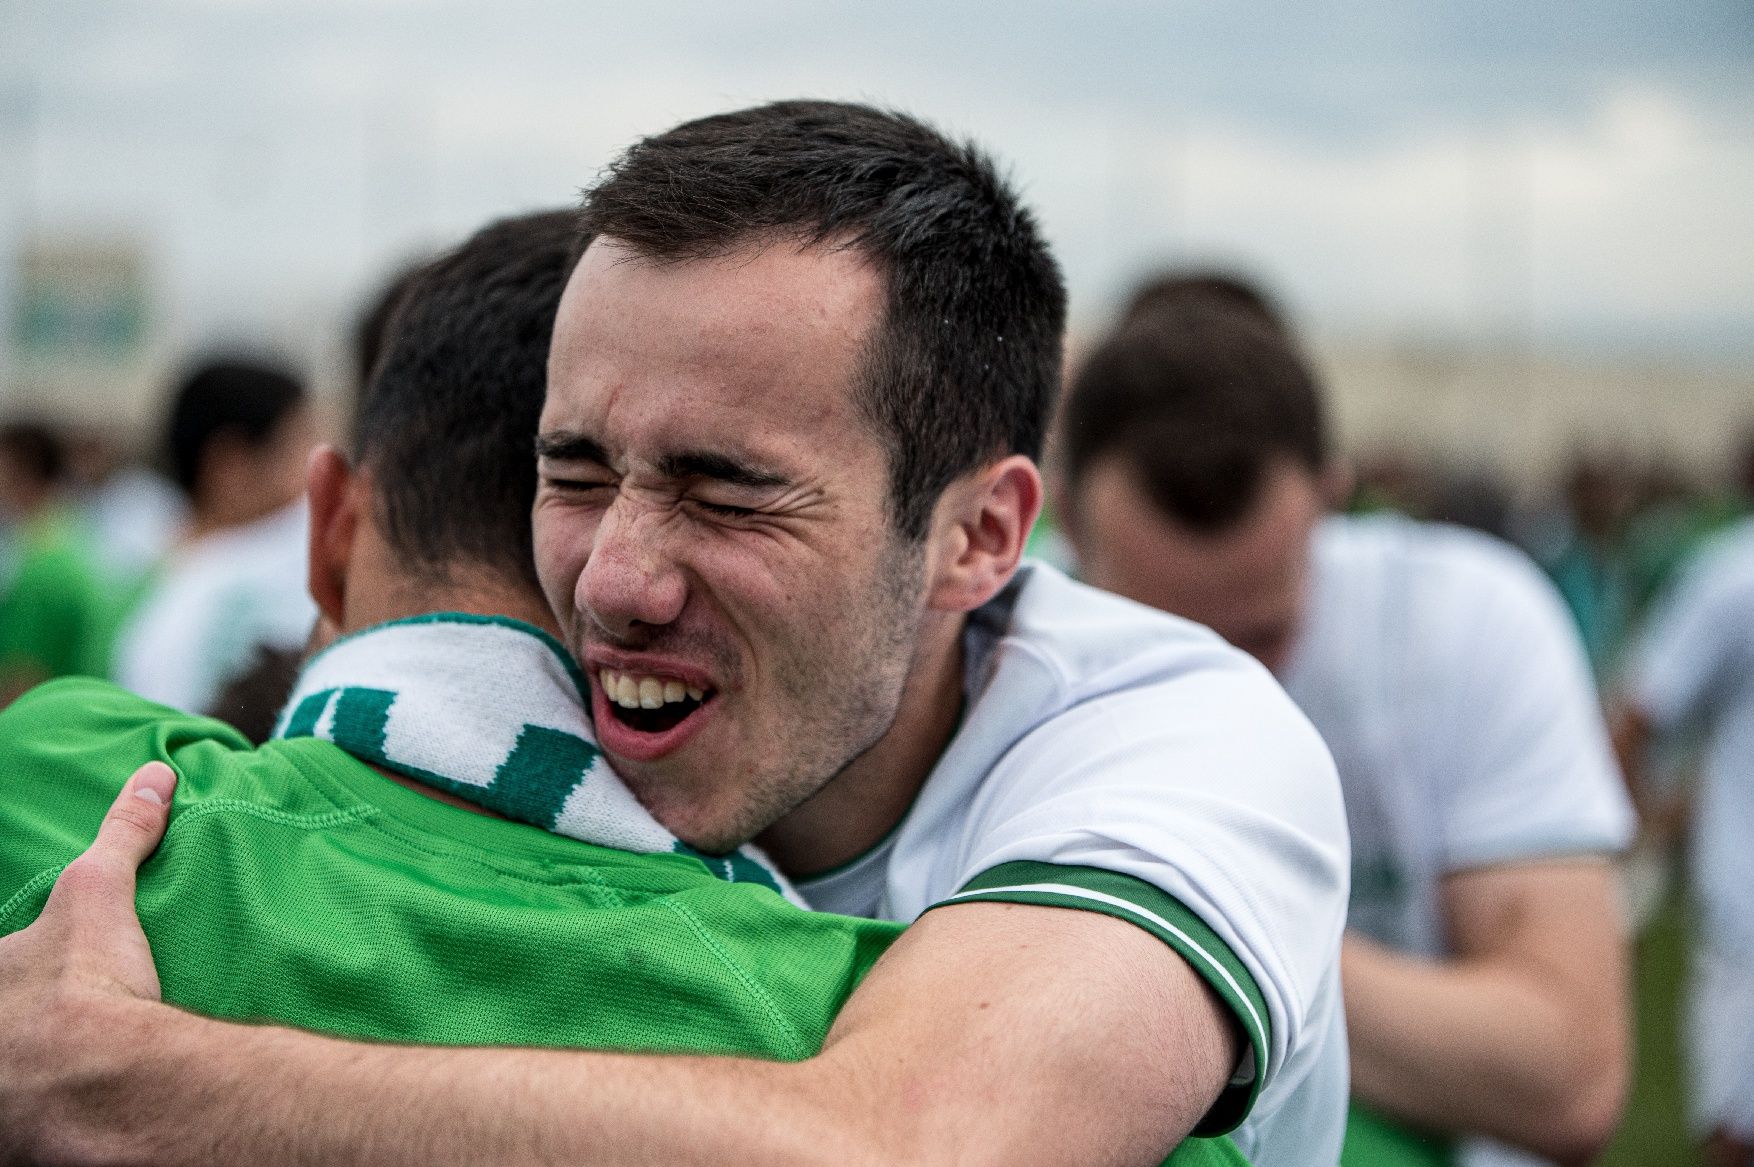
x=237 y=437
x=132 y=514
x=51 y=612
x=1484 y=962
x=1693 y=668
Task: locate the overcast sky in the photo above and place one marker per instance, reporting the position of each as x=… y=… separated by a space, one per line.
x=1576 y=175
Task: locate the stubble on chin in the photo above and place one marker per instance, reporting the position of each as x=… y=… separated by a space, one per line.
x=833 y=708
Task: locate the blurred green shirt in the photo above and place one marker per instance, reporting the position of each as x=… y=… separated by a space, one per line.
x=53 y=614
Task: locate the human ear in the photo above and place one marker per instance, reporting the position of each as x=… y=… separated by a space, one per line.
x=334 y=528
x=980 y=528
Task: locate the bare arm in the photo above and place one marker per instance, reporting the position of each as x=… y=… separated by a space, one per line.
x=1523 y=1034
x=989 y=1033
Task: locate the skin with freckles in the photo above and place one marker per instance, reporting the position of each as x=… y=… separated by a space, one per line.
x=712 y=508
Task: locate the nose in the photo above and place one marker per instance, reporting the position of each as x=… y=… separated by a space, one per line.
x=632 y=579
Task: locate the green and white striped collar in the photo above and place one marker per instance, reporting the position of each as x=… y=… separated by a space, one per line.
x=494 y=711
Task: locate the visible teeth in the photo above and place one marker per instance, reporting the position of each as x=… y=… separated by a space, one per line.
x=631 y=692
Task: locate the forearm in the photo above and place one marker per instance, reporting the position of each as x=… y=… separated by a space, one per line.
x=165 y=1087
x=932 y=1061
x=1480 y=1048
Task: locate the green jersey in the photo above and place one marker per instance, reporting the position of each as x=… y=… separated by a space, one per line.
x=300 y=886
x=1374 y=1140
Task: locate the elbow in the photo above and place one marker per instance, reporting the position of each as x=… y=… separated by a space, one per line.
x=1579 y=1129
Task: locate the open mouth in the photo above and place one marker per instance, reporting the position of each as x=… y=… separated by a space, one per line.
x=648 y=704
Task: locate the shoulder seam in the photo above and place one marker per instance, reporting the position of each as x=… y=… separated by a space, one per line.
x=799 y=1049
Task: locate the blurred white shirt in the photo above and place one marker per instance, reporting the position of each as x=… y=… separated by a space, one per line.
x=1695 y=664
x=1443 y=672
x=212 y=604
x=134 y=516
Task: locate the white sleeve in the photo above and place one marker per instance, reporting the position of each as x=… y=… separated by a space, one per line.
x=159 y=654
x=1688 y=645
x=1512 y=725
x=1203 y=808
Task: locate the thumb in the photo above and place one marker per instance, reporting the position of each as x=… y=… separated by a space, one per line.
x=136 y=821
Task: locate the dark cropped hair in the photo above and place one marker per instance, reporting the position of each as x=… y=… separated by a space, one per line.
x=447 y=422
x=35 y=449
x=229 y=397
x=371 y=329
x=1200 y=400
x=965 y=363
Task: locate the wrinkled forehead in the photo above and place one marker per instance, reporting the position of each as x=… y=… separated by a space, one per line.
x=768 y=339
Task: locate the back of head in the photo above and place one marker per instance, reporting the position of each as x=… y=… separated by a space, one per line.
x=371 y=330
x=1171 y=290
x=1201 y=401
x=1742 y=471
x=240 y=399
x=964 y=365
x=34 y=453
x=447 y=424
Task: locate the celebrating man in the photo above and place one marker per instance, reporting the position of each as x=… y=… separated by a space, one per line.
x=796 y=388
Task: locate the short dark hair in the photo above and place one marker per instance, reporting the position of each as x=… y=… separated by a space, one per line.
x=371 y=330
x=36 y=450
x=243 y=397
x=1200 y=400
x=1169 y=290
x=447 y=423
x=965 y=363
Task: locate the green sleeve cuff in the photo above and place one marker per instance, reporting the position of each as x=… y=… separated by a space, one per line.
x=1125 y=897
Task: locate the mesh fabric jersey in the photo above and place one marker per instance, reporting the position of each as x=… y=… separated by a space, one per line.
x=298 y=885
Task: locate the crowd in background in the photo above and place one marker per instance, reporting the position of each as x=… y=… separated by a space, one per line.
x=1610 y=530
x=176 y=570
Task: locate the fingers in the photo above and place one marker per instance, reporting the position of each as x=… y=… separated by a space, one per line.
x=89 y=931
x=136 y=821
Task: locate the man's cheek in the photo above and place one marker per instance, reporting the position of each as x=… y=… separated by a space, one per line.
x=558 y=574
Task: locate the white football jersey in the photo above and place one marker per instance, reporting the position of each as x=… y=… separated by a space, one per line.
x=212 y=604
x=1695 y=663
x=1112 y=758
x=1444 y=674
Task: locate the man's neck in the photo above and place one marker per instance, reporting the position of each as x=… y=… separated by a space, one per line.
x=862 y=804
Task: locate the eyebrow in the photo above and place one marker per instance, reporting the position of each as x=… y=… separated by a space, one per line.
x=719 y=468
x=569 y=446
x=566 y=446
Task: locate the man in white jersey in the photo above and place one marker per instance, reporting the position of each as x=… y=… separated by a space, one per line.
x=786 y=468
x=1484 y=958
x=236 y=440
x=1694 y=666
